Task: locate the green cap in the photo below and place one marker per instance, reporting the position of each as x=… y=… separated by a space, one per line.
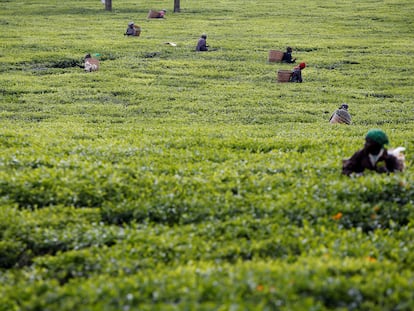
x=378 y=136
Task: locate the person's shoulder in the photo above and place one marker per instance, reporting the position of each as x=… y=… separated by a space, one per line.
x=359 y=153
x=386 y=154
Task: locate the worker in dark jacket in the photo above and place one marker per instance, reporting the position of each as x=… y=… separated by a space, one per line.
x=287 y=56
x=297 y=73
x=131 y=30
x=373 y=156
x=202 y=43
x=341 y=115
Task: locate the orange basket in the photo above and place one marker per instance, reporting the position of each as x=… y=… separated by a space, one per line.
x=275 y=56
x=153 y=14
x=137 y=30
x=284 y=75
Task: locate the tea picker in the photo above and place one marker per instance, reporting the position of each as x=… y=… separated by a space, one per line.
x=297 y=73
x=202 y=43
x=91 y=64
x=287 y=56
x=294 y=75
x=341 y=116
x=157 y=14
x=374 y=156
x=132 y=30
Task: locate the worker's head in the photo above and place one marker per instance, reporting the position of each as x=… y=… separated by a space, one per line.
x=302 y=65
x=289 y=49
x=375 y=141
x=204 y=36
x=131 y=24
x=344 y=106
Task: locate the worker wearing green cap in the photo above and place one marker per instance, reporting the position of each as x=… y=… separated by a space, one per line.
x=374 y=156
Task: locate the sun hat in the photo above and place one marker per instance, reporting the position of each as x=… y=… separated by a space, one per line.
x=378 y=136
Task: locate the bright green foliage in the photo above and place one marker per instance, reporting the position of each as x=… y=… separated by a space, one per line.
x=176 y=180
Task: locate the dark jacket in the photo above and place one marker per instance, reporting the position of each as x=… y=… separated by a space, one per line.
x=287 y=58
x=130 y=31
x=202 y=45
x=361 y=161
x=296 y=75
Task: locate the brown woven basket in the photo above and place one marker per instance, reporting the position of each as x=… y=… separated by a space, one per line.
x=137 y=30
x=91 y=64
x=275 y=56
x=153 y=14
x=284 y=75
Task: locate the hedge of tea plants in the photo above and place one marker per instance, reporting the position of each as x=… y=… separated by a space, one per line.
x=177 y=180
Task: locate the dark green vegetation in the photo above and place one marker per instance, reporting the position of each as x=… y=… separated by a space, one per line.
x=174 y=180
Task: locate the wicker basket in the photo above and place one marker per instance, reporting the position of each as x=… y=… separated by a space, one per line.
x=275 y=56
x=284 y=75
x=153 y=14
x=91 y=64
x=137 y=30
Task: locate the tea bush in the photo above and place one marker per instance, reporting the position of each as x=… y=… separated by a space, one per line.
x=176 y=180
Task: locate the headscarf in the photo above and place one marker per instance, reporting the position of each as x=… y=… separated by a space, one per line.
x=344 y=106
x=378 y=136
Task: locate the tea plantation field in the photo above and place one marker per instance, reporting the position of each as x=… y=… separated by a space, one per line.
x=177 y=180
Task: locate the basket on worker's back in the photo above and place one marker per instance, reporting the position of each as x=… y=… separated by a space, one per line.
x=137 y=30
x=153 y=14
x=284 y=75
x=91 y=64
x=275 y=56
